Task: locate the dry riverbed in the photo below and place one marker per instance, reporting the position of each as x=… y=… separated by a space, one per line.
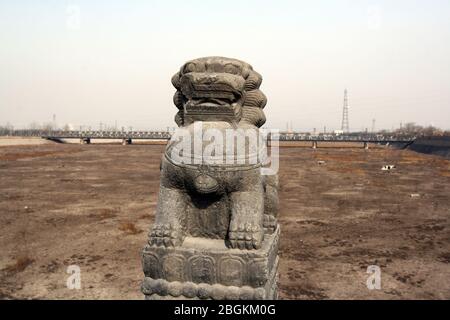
x=91 y=206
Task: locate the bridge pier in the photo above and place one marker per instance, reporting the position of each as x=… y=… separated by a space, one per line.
x=85 y=140
x=126 y=141
x=314 y=145
x=366 y=145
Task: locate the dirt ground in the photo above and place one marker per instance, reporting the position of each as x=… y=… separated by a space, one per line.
x=91 y=206
x=18 y=141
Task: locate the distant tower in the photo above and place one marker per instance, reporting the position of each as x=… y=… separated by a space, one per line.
x=345 y=126
x=373 y=125
x=289 y=127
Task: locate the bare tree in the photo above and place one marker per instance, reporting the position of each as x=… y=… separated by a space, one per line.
x=34 y=126
x=48 y=126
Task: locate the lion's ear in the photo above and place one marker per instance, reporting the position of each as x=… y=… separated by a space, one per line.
x=246 y=72
x=253 y=115
x=179 y=118
x=255 y=98
x=176 y=80
x=178 y=99
x=253 y=81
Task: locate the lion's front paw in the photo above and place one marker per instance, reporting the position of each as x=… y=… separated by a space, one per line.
x=245 y=236
x=165 y=235
x=270 y=224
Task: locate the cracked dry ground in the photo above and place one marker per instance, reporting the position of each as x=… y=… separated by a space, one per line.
x=92 y=206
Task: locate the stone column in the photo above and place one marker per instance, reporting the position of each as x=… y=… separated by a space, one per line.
x=85 y=140
x=126 y=141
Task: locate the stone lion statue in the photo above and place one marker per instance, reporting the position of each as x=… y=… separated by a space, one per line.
x=229 y=200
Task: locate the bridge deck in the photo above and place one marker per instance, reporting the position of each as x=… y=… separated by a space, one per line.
x=153 y=135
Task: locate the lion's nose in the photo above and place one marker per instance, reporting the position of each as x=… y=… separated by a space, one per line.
x=204 y=78
x=208 y=80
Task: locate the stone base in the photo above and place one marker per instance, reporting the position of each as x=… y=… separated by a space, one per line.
x=206 y=269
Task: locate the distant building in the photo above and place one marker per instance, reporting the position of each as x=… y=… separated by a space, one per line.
x=68 y=127
x=338 y=132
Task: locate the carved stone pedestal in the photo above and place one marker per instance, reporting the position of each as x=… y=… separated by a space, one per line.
x=206 y=269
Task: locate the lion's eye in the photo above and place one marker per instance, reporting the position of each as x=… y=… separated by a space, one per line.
x=229 y=68
x=190 y=67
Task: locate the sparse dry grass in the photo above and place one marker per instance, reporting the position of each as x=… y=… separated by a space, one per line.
x=129 y=227
x=445 y=173
x=27 y=154
x=145 y=216
x=352 y=157
x=350 y=170
x=363 y=220
x=21 y=264
x=103 y=214
x=412 y=158
x=17 y=156
x=107 y=213
x=326 y=145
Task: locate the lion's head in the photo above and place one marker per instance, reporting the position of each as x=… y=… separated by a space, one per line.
x=218 y=89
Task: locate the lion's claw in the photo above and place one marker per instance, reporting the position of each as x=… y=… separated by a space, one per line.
x=270 y=223
x=165 y=235
x=245 y=237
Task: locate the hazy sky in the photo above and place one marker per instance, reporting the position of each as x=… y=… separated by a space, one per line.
x=105 y=61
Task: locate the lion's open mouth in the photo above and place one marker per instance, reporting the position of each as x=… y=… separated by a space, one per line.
x=200 y=96
x=209 y=90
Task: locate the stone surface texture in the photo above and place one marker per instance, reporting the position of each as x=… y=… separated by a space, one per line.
x=216 y=233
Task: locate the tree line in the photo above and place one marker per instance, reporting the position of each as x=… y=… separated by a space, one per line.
x=408 y=129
